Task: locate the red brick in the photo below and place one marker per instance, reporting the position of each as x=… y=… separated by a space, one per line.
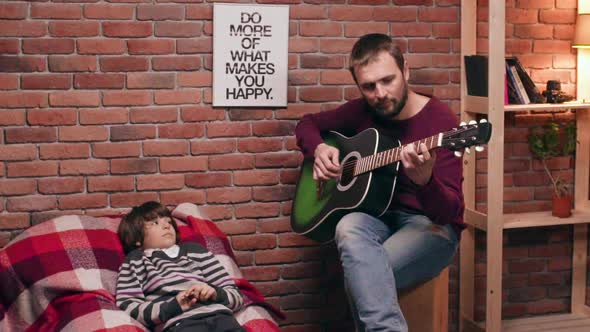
x=289 y=176
x=56 y=11
x=212 y=146
x=201 y=113
x=301 y=270
x=157 y=46
x=13 y=221
x=129 y=133
x=22 y=64
x=150 y=81
x=190 y=130
x=344 y=13
x=160 y=12
x=9 y=46
x=48 y=46
x=231 y=162
x=154 y=115
x=294 y=240
x=253 y=242
x=396 y=14
x=74 y=29
x=160 y=182
x=31 y=203
x=273 y=128
x=74 y=98
x=178 y=29
x=228 y=195
x=260 y=273
x=566 y=4
x=175 y=97
x=358 y=29
x=13 y=10
x=165 y=148
x=564 y=32
x=31 y=168
x=61 y=185
x=110 y=183
x=30 y=135
x=438 y=15
x=557 y=16
x=225 y=129
x=548 y=306
x=109 y=11
x=101 y=46
x=23 y=99
x=83 y=134
x=83 y=201
x=83 y=167
x=127 y=98
x=134 y=166
x=17 y=187
x=104 y=115
x=195 y=79
x=124 y=64
x=238 y=114
x=208 y=180
x=199 y=12
x=18 y=152
x=255 y=144
x=178 y=197
x=278 y=159
x=256 y=177
x=23 y=28
x=304 y=45
x=194 y=45
x=177 y=63
x=46 y=81
x=73 y=63
x=116 y=150
x=274 y=193
x=311 y=29
x=99 y=81
x=64 y=151
x=322 y=61
x=320 y=94
x=127 y=29
x=132 y=199
x=257 y=210
x=183 y=164
x=52 y=117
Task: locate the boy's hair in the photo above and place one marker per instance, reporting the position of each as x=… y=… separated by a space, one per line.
x=369 y=46
x=131 y=228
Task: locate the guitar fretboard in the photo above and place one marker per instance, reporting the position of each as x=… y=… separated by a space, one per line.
x=386 y=157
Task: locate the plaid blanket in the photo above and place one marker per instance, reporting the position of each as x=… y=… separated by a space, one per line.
x=61 y=275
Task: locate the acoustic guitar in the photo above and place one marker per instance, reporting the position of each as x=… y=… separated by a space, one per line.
x=369 y=166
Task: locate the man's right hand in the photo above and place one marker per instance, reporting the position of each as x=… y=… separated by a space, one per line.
x=326 y=164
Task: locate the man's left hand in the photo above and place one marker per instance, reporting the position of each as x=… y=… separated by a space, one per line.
x=418 y=164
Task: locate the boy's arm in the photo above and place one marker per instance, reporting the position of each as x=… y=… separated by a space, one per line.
x=132 y=300
x=217 y=277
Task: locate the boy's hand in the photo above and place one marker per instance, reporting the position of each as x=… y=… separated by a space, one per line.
x=202 y=292
x=185 y=301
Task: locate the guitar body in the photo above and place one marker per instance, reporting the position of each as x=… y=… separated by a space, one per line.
x=316 y=216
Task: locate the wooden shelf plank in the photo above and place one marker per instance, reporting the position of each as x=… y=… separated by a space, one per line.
x=548 y=323
x=475 y=104
x=544 y=218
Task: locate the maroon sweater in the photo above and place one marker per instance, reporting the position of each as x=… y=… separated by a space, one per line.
x=441 y=199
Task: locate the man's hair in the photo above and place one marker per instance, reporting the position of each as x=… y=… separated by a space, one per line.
x=131 y=228
x=369 y=46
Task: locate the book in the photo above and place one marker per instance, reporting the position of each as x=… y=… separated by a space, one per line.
x=533 y=92
x=476 y=75
x=520 y=90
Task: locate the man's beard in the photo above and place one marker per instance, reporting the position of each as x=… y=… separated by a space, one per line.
x=398 y=106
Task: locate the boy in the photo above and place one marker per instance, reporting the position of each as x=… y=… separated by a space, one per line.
x=168 y=286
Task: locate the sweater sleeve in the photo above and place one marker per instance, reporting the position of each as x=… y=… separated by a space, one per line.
x=345 y=119
x=442 y=197
x=132 y=300
x=216 y=276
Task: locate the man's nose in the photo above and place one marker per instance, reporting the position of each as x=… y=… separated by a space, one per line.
x=166 y=224
x=379 y=91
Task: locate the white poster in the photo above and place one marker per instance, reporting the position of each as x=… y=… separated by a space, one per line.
x=250 y=54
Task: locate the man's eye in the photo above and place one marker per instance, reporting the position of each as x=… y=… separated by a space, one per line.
x=368 y=87
x=388 y=80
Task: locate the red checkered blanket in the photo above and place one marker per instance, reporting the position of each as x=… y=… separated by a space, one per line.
x=61 y=275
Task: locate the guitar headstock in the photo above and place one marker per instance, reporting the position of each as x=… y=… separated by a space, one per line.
x=467 y=135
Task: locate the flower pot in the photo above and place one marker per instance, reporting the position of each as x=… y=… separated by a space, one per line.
x=562 y=206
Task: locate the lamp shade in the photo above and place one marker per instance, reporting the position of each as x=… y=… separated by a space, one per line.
x=582 y=37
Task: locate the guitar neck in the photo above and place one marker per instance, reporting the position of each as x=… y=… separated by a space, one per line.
x=386 y=157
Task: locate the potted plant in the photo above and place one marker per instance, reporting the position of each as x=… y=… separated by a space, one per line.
x=553 y=140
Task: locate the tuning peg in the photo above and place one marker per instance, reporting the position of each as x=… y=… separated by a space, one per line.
x=472 y=122
x=458 y=154
x=479 y=148
x=483 y=121
x=462 y=123
x=468 y=151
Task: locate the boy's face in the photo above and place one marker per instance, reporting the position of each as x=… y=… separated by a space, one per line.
x=158 y=234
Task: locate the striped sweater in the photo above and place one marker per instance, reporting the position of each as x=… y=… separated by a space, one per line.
x=147 y=286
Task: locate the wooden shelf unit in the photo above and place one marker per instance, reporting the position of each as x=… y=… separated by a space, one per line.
x=496 y=221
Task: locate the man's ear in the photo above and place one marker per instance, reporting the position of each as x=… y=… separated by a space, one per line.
x=406 y=71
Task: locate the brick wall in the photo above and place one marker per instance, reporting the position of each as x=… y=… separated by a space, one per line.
x=104 y=105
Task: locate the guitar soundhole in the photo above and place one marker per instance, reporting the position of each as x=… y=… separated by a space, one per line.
x=348 y=172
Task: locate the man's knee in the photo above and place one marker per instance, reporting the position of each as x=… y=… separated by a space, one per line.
x=350 y=226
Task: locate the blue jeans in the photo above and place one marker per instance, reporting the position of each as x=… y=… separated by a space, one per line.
x=379 y=256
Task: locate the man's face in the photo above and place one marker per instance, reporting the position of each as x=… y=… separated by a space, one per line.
x=384 y=85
